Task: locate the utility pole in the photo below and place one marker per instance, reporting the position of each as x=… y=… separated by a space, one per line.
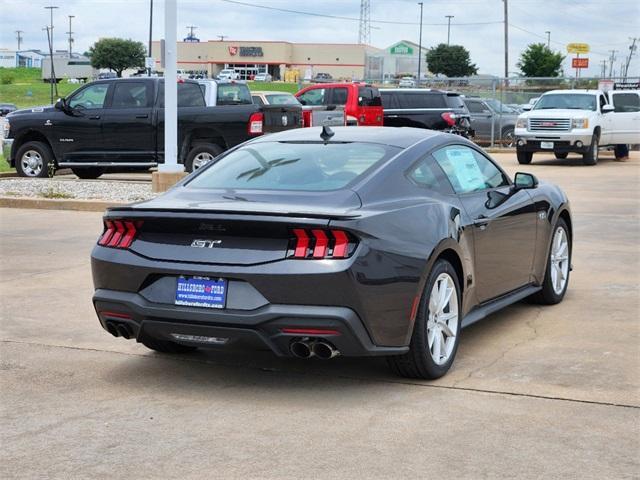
x=632 y=49
x=449 y=17
x=150 y=32
x=70 y=33
x=612 y=58
x=52 y=78
x=222 y=37
x=191 y=28
x=603 y=70
x=548 y=39
x=364 y=30
x=506 y=41
x=420 y=43
x=19 y=37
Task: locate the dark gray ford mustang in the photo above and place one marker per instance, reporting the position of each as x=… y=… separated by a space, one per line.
x=312 y=242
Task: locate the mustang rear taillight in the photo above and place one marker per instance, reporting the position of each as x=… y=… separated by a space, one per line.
x=320 y=243
x=119 y=233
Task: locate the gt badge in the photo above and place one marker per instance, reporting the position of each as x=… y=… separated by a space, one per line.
x=198 y=243
x=48 y=123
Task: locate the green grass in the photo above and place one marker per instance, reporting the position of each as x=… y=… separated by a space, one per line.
x=19 y=75
x=278 y=86
x=26 y=95
x=4 y=166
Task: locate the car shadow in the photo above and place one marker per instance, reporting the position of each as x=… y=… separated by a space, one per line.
x=570 y=161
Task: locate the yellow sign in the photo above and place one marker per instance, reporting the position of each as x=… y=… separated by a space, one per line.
x=578 y=48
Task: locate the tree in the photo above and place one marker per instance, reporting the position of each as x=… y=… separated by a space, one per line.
x=117 y=54
x=538 y=60
x=450 y=60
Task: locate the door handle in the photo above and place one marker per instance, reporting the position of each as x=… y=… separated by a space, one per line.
x=94 y=117
x=143 y=115
x=482 y=222
x=393 y=116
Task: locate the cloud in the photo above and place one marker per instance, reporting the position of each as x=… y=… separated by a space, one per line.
x=589 y=21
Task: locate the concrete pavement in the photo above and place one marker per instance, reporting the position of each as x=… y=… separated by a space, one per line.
x=534 y=392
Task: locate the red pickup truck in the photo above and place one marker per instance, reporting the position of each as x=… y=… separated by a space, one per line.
x=362 y=103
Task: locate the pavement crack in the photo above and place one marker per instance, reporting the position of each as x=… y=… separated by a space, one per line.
x=398 y=381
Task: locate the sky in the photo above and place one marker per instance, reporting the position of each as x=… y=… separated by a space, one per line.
x=604 y=24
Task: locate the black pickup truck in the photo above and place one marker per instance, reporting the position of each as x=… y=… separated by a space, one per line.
x=425 y=108
x=118 y=124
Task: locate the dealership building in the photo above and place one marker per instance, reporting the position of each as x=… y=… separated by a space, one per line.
x=303 y=60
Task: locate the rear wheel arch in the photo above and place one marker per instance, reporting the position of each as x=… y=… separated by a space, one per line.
x=453 y=258
x=201 y=137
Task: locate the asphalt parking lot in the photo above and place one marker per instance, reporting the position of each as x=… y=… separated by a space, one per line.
x=549 y=392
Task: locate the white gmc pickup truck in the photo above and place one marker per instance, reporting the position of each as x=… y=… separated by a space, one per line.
x=580 y=121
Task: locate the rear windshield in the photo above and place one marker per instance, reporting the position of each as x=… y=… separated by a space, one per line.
x=369 y=97
x=572 y=101
x=293 y=166
x=455 y=101
x=233 y=94
x=282 y=99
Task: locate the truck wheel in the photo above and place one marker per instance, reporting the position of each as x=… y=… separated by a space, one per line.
x=561 y=155
x=33 y=160
x=508 y=138
x=88 y=173
x=524 y=158
x=200 y=155
x=591 y=157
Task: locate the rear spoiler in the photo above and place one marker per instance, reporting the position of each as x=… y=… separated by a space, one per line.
x=211 y=214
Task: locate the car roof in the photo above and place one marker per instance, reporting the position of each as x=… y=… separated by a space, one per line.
x=555 y=92
x=412 y=90
x=402 y=137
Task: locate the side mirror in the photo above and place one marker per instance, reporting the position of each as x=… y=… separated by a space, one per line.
x=525 y=180
x=526 y=108
x=608 y=108
x=61 y=104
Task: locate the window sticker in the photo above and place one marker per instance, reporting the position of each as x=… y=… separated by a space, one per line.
x=466 y=169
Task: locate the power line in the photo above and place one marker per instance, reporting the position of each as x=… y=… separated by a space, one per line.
x=352 y=19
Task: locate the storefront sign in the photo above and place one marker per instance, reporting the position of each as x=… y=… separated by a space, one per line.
x=401 y=49
x=579 y=63
x=246 y=51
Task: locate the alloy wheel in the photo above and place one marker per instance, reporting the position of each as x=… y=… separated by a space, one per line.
x=559 y=260
x=442 y=324
x=201 y=159
x=32 y=163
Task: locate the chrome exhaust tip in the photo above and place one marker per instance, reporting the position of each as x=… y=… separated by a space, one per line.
x=325 y=350
x=301 y=349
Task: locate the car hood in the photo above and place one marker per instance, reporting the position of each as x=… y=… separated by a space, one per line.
x=557 y=113
x=343 y=203
x=28 y=111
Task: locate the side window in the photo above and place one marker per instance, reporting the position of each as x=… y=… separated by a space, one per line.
x=626 y=102
x=233 y=94
x=189 y=95
x=339 y=96
x=130 y=95
x=89 y=98
x=369 y=97
x=257 y=100
x=469 y=170
x=474 y=107
x=312 y=97
x=389 y=100
x=423 y=100
x=427 y=174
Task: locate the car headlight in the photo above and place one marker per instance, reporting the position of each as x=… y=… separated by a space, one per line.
x=521 y=123
x=580 y=123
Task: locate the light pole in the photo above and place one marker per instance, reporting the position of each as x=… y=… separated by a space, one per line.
x=449 y=17
x=70 y=33
x=420 y=43
x=51 y=8
x=150 y=31
x=548 y=39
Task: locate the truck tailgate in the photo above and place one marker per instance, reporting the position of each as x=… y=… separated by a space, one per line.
x=281 y=117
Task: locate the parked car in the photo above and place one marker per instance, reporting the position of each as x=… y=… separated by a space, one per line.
x=263 y=77
x=228 y=74
x=579 y=121
x=407 y=82
x=425 y=108
x=491 y=120
x=272 y=97
x=322 y=78
x=362 y=103
x=6 y=108
x=291 y=242
x=119 y=123
x=107 y=75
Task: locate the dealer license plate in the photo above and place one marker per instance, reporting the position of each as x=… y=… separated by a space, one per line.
x=201 y=292
x=547 y=145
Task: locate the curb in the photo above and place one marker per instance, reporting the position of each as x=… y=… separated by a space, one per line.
x=8 y=174
x=58 y=204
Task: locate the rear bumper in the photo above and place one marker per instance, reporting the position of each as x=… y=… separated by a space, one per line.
x=261 y=327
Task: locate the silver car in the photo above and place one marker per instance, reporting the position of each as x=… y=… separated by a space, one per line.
x=490 y=115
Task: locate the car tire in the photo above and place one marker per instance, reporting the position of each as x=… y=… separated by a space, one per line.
x=165 y=346
x=591 y=157
x=200 y=155
x=558 y=263
x=524 y=158
x=88 y=173
x=508 y=137
x=420 y=360
x=33 y=160
x=561 y=155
